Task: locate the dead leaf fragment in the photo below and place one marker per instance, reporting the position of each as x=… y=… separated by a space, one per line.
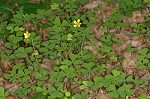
x=5 y=65
x=92 y=5
x=92 y=48
x=137 y=17
x=46 y=63
x=128 y=66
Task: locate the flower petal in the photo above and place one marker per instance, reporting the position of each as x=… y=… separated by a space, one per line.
x=27 y=34
x=75 y=25
x=75 y=22
x=78 y=20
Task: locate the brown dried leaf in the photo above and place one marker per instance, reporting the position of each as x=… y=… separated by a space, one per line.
x=92 y=48
x=127 y=19
x=128 y=66
x=102 y=96
x=2 y=81
x=5 y=65
x=46 y=63
x=124 y=36
x=119 y=48
x=36 y=1
x=134 y=56
x=12 y=97
x=92 y=5
x=137 y=41
x=44 y=20
x=11 y=86
x=98 y=33
x=137 y=17
x=145 y=77
x=127 y=55
x=44 y=34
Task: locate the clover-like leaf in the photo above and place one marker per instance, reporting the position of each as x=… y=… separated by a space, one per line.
x=73 y=57
x=143 y=51
x=57 y=21
x=115 y=73
x=111 y=88
x=2 y=91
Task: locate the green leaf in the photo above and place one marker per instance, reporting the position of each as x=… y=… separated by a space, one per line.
x=69 y=37
x=88 y=83
x=2 y=91
x=105 y=48
x=67 y=62
x=89 y=65
x=145 y=61
x=37 y=38
x=148 y=55
x=16 y=29
x=31 y=7
x=82 y=87
x=70 y=72
x=38 y=96
x=78 y=96
x=51 y=90
x=39 y=89
x=10 y=27
x=98 y=79
x=141 y=57
x=115 y=73
x=67 y=93
x=57 y=21
x=63 y=67
x=109 y=24
x=7 y=93
x=121 y=91
x=113 y=94
x=97 y=85
x=19 y=33
x=28 y=49
x=129 y=78
x=109 y=77
x=20 y=73
x=131 y=92
x=134 y=25
x=56 y=94
x=73 y=57
x=143 y=96
x=111 y=88
x=35 y=53
x=46 y=43
x=64 y=23
x=54 y=6
x=84 y=71
x=117 y=17
x=7 y=45
x=121 y=25
x=4 y=8
x=143 y=51
x=17 y=39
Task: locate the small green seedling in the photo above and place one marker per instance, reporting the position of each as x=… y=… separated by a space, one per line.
x=3 y=93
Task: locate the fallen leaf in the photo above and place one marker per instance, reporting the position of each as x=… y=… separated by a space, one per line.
x=5 y=65
x=128 y=66
x=137 y=17
x=92 y=5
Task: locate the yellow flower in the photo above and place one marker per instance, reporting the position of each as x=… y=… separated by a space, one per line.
x=77 y=23
x=26 y=34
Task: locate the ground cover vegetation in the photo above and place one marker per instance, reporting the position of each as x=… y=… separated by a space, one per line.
x=74 y=49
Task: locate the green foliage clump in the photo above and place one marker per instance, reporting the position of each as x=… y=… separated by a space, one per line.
x=57 y=31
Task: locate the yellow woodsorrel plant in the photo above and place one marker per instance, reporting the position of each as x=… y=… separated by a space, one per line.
x=54 y=54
